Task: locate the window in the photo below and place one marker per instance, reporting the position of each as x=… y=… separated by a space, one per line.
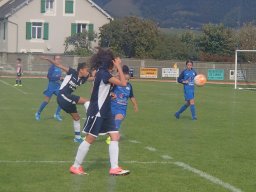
x=69 y=6
x=37 y=30
x=81 y=28
x=48 y=6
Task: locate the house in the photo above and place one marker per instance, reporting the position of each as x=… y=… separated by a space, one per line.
x=42 y=25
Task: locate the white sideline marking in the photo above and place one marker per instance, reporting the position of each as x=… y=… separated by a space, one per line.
x=185 y=166
x=134 y=141
x=150 y=148
x=166 y=157
x=5 y=83
x=210 y=178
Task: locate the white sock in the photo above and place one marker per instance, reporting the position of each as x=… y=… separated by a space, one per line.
x=86 y=105
x=81 y=153
x=77 y=129
x=113 y=154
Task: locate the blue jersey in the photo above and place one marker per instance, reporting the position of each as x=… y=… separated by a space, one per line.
x=122 y=94
x=54 y=73
x=188 y=75
x=71 y=82
x=100 y=102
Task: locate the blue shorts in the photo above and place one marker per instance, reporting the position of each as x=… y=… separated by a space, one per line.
x=68 y=102
x=53 y=88
x=99 y=126
x=118 y=109
x=189 y=94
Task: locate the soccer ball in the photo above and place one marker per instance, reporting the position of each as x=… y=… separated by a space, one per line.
x=200 y=80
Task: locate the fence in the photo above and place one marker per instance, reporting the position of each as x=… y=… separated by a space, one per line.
x=33 y=65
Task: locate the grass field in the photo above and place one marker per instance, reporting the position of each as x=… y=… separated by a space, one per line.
x=216 y=153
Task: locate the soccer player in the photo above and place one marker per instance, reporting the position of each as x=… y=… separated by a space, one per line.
x=66 y=100
x=119 y=102
x=187 y=79
x=99 y=116
x=54 y=77
x=19 y=72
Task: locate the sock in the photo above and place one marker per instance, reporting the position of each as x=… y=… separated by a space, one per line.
x=20 y=82
x=118 y=123
x=193 y=111
x=182 y=109
x=113 y=154
x=77 y=129
x=86 y=105
x=81 y=153
x=41 y=108
x=58 y=110
x=17 y=81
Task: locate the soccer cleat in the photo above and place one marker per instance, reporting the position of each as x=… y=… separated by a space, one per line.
x=194 y=118
x=78 y=140
x=177 y=115
x=118 y=172
x=20 y=85
x=57 y=117
x=77 y=171
x=15 y=85
x=108 y=140
x=37 y=116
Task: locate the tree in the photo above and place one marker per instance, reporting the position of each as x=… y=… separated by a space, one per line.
x=131 y=36
x=217 y=42
x=79 y=44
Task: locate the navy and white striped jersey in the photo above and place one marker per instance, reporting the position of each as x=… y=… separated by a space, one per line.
x=100 y=102
x=71 y=82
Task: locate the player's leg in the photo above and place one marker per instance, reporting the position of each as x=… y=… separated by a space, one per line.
x=17 y=81
x=58 y=109
x=193 y=109
x=19 y=78
x=77 y=127
x=42 y=106
x=119 y=117
x=84 y=102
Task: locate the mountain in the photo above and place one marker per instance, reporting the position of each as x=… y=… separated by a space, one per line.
x=185 y=13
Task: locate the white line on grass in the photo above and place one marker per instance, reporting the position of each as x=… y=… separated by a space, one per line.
x=134 y=141
x=185 y=166
x=150 y=148
x=210 y=178
x=5 y=83
x=166 y=157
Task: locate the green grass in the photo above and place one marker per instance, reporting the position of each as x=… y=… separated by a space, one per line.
x=220 y=143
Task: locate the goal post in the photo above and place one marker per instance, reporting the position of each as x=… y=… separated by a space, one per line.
x=245 y=69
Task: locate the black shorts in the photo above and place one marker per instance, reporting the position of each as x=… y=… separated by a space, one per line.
x=68 y=102
x=99 y=126
x=18 y=74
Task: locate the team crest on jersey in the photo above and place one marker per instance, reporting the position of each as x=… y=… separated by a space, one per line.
x=128 y=88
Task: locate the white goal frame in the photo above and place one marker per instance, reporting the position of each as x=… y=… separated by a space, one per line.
x=236 y=53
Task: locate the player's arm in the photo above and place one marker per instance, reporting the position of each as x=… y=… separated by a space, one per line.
x=57 y=64
x=181 y=79
x=92 y=76
x=122 y=81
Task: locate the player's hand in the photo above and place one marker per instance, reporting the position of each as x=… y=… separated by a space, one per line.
x=113 y=95
x=117 y=61
x=185 y=82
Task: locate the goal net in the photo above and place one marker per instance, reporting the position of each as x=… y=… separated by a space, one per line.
x=245 y=69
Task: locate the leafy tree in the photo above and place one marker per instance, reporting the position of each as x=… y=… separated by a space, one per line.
x=130 y=36
x=217 y=41
x=79 y=44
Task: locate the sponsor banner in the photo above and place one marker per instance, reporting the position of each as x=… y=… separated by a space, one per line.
x=148 y=73
x=215 y=74
x=170 y=72
x=241 y=75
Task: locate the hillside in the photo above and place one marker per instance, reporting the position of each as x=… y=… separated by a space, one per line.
x=184 y=13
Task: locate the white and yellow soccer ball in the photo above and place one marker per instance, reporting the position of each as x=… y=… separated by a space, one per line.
x=200 y=80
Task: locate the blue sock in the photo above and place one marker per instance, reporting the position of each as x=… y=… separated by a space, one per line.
x=182 y=109
x=41 y=108
x=193 y=111
x=118 y=123
x=58 y=110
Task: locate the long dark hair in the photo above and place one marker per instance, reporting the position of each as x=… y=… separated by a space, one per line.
x=103 y=58
x=189 y=61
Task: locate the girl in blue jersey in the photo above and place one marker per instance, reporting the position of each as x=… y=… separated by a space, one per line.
x=66 y=99
x=54 y=77
x=187 y=79
x=119 y=102
x=99 y=116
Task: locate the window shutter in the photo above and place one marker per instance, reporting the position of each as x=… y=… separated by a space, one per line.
x=69 y=6
x=73 y=28
x=28 y=30
x=42 y=6
x=90 y=32
x=46 y=31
